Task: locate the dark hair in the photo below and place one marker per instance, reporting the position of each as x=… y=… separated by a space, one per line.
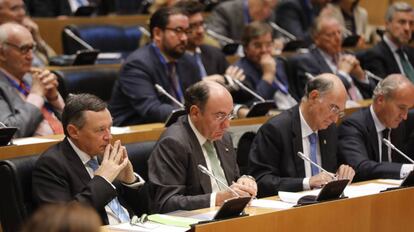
x=254 y=30
x=196 y=94
x=76 y=104
x=72 y=217
x=320 y=83
x=161 y=17
x=191 y=7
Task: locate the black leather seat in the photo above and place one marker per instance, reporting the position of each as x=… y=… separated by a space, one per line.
x=16 y=194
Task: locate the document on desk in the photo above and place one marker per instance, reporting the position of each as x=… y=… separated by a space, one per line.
x=147 y=227
x=350 y=191
x=32 y=140
x=273 y=204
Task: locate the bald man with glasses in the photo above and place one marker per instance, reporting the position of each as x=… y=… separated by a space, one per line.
x=310 y=128
x=198 y=138
x=29 y=98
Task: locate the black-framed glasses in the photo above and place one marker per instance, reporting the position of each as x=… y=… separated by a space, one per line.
x=221 y=117
x=179 y=30
x=197 y=25
x=335 y=109
x=23 y=49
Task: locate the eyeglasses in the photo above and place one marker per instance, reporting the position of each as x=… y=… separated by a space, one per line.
x=221 y=117
x=23 y=49
x=196 y=25
x=335 y=109
x=179 y=30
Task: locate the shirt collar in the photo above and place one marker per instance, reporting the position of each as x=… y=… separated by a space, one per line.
x=378 y=125
x=306 y=130
x=197 y=51
x=390 y=44
x=201 y=139
x=82 y=155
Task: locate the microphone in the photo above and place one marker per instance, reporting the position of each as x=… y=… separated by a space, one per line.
x=309 y=76
x=162 y=91
x=249 y=90
x=144 y=31
x=389 y=144
x=78 y=39
x=373 y=76
x=208 y=173
x=220 y=37
x=284 y=32
x=302 y=156
x=3 y=125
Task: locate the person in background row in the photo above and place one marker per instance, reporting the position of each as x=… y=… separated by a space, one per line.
x=29 y=98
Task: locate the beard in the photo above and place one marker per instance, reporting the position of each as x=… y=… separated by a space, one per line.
x=175 y=52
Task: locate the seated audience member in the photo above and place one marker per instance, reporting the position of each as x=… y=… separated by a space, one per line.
x=360 y=135
x=197 y=138
x=327 y=56
x=72 y=217
x=228 y=18
x=85 y=167
x=211 y=62
x=29 y=98
x=309 y=127
x=63 y=8
x=14 y=11
x=264 y=74
x=297 y=16
x=134 y=99
x=392 y=54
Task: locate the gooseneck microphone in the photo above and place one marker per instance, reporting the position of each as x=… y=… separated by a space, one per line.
x=210 y=174
x=78 y=39
x=389 y=144
x=162 y=91
x=239 y=83
x=220 y=37
x=302 y=156
x=284 y=32
x=373 y=76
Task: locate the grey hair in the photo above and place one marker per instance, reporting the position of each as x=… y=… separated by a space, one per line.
x=397 y=7
x=3 y=34
x=386 y=87
x=319 y=83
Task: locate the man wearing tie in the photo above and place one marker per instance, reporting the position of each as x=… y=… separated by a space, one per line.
x=198 y=138
x=85 y=167
x=392 y=54
x=134 y=99
x=309 y=128
x=360 y=136
x=29 y=98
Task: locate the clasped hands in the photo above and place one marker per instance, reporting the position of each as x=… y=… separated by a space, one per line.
x=244 y=187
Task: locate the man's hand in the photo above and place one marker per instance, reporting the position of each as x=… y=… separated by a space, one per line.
x=242 y=190
x=268 y=64
x=246 y=181
x=113 y=162
x=320 y=180
x=345 y=172
x=235 y=73
x=126 y=175
x=45 y=83
x=350 y=65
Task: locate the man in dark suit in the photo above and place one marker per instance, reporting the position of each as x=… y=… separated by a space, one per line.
x=392 y=55
x=228 y=18
x=29 y=98
x=361 y=134
x=327 y=57
x=297 y=16
x=69 y=171
x=135 y=99
x=264 y=74
x=199 y=138
x=309 y=128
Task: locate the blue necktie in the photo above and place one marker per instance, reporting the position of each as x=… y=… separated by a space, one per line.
x=312 y=140
x=203 y=72
x=114 y=205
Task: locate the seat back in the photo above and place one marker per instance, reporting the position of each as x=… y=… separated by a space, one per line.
x=106 y=38
x=243 y=150
x=16 y=203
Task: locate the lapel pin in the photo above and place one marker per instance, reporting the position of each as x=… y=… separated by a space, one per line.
x=226 y=149
x=324 y=141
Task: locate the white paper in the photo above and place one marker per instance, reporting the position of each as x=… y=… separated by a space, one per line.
x=365 y=189
x=205 y=216
x=391 y=181
x=147 y=227
x=109 y=55
x=119 y=130
x=273 y=204
x=32 y=140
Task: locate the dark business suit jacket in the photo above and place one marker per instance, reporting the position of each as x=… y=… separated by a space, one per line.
x=16 y=112
x=273 y=158
x=60 y=176
x=177 y=182
x=213 y=59
x=358 y=146
x=134 y=98
x=380 y=59
x=314 y=63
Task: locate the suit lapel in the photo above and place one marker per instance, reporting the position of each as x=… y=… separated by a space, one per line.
x=372 y=132
x=324 y=67
x=75 y=162
x=297 y=142
x=388 y=53
x=225 y=159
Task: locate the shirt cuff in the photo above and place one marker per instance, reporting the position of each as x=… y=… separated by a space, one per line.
x=212 y=200
x=405 y=170
x=305 y=183
x=35 y=100
x=113 y=186
x=138 y=183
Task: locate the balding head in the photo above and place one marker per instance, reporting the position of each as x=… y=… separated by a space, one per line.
x=324 y=101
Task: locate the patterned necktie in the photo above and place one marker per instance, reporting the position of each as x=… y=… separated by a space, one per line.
x=215 y=163
x=114 y=205
x=312 y=140
x=175 y=85
x=203 y=72
x=406 y=65
x=385 y=152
